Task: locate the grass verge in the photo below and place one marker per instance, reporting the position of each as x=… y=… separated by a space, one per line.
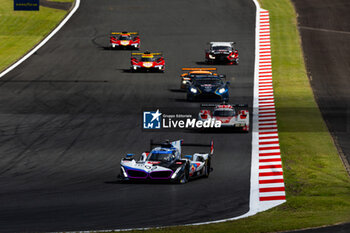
x=20 y=31
x=317 y=185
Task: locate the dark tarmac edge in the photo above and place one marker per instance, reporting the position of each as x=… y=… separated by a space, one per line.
x=341 y=153
x=337 y=228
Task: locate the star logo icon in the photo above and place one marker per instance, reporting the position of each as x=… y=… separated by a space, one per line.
x=156 y=115
x=151 y=119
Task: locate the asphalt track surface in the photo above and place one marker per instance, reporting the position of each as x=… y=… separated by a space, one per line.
x=325 y=33
x=70 y=112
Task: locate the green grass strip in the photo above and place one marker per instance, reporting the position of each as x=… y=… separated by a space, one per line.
x=20 y=31
x=317 y=185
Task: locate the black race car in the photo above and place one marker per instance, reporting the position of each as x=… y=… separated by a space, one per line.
x=208 y=87
x=222 y=52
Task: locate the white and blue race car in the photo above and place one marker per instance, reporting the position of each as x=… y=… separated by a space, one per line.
x=164 y=162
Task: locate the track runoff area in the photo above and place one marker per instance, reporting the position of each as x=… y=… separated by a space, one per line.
x=263 y=168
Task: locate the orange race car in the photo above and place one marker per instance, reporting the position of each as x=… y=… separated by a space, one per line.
x=186 y=77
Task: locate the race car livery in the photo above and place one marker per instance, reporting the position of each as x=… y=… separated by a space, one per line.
x=147 y=61
x=164 y=162
x=189 y=72
x=222 y=52
x=208 y=87
x=125 y=40
x=230 y=115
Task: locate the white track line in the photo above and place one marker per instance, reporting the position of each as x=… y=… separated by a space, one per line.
x=43 y=42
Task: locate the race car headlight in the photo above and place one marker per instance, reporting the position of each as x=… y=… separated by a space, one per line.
x=222 y=90
x=124 y=172
x=211 y=56
x=184 y=82
x=175 y=173
x=193 y=90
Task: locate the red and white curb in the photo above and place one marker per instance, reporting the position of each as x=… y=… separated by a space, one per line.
x=270 y=178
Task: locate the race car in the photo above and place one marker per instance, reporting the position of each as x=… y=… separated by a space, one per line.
x=125 y=40
x=164 y=162
x=208 y=87
x=147 y=61
x=222 y=52
x=230 y=115
x=189 y=72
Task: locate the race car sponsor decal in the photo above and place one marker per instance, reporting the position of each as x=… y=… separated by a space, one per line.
x=26 y=5
x=124 y=42
x=147 y=64
x=271 y=182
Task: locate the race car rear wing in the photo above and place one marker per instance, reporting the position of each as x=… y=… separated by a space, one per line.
x=223 y=76
x=145 y=54
x=119 y=33
x=167 y=142
x=223 y=42
x=200 y=69
x=233 y=105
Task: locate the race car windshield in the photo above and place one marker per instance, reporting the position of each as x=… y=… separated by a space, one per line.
x=221 y=48
x=224 y=113
x=124 y=37
x=147 y=59
x=163 y=156
x=213 y=81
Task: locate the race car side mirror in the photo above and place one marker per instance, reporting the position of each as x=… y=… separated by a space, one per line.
x=228 y=82
x=129 y=155
x=188 y=156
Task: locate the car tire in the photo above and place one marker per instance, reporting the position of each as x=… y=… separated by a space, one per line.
x=185 y=177
x=207 y=169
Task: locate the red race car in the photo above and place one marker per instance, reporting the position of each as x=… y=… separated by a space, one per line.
x=147 y=62
x=125 y=40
